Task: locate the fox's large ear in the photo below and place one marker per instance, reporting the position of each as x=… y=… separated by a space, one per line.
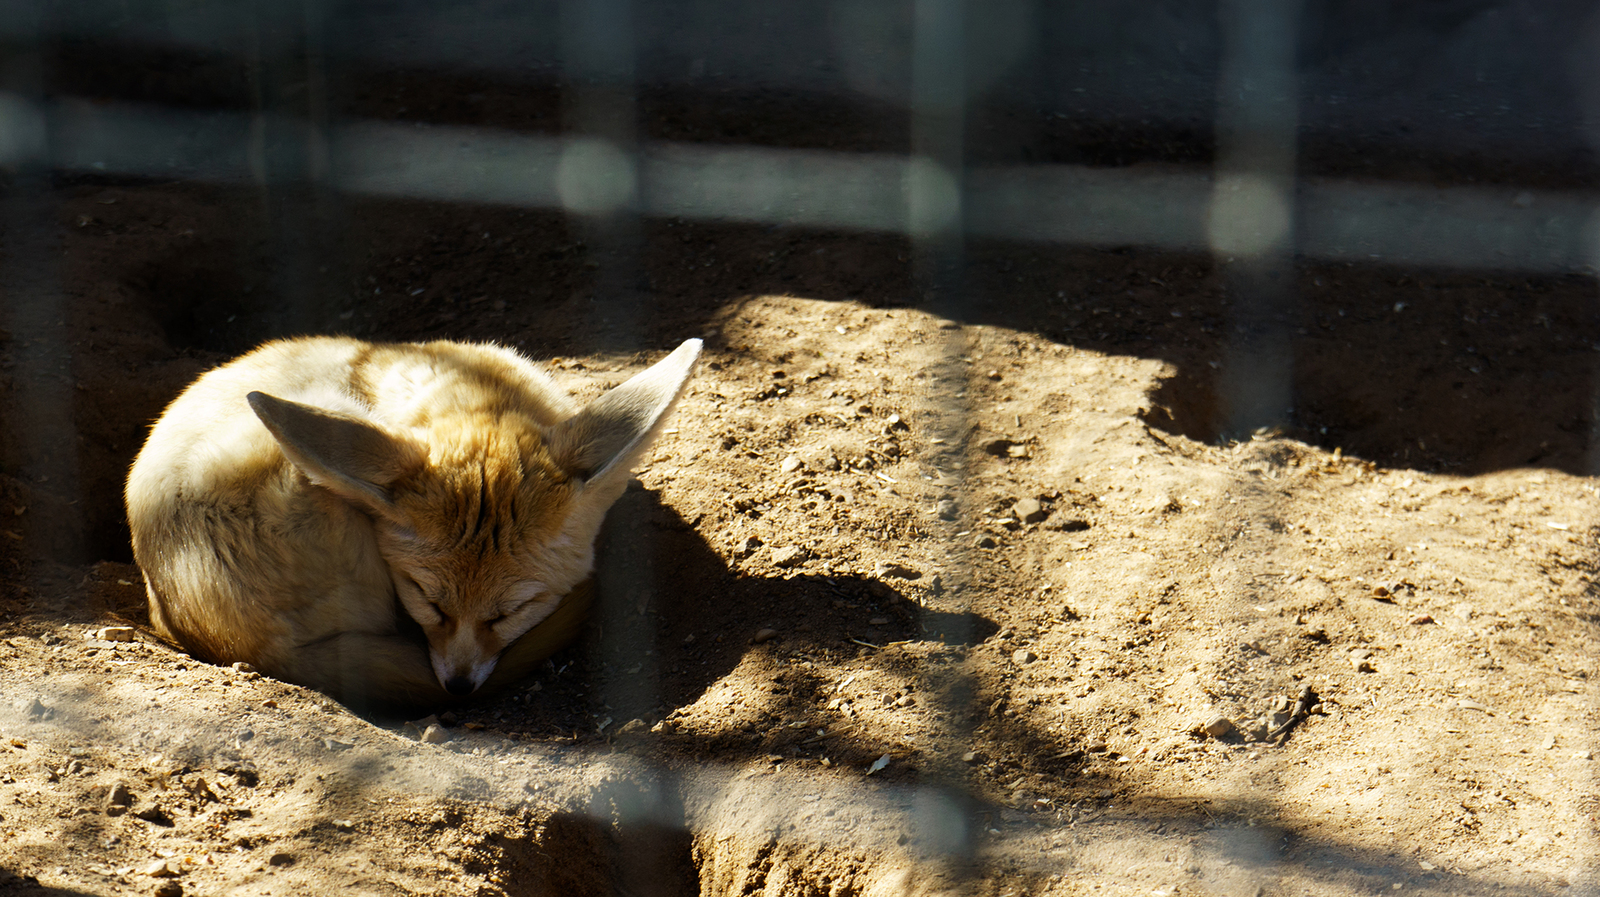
x=344 y=454
x=616 y=428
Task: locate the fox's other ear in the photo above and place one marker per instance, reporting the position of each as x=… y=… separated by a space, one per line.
x=616 y=428
x=344 y=454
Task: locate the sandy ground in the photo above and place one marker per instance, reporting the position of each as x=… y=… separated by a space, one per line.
x=904 y=602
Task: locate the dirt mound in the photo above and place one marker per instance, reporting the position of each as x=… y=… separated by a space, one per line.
x=900 y=604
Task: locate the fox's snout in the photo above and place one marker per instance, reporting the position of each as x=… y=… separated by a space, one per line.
x=462 y=664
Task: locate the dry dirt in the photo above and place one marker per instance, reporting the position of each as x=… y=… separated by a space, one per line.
x=903 y=603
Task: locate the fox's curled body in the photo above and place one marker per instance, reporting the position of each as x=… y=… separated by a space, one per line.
x=306 y=508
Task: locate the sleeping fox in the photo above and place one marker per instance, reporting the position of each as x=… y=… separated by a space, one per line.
x=308 y=507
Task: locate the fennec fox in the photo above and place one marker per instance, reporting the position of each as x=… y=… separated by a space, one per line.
x=306 y=508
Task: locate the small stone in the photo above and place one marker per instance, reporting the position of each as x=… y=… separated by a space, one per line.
x=1028 y=510
x=896 y=571
x=344 y=825
x=1382 y=593
x=434 y=735
x=1583 y=755
x=790 y=464
x=632 y=728
x=115 y=633
x=1023 y=656
x=159 y=869
x=763 y=636
x=119 y=800
x=155 y=816
x=1361 y=661
x=242 y=667
x=1218 y=726
x=169 y=888
x=1000 y=448
x=947 y=509
x=969 y=757
x=334 y=744
x=281 y=859
x=747 y=547
x=1421 y=620
x=788 y=556
x=985 y=541
x=200 y=789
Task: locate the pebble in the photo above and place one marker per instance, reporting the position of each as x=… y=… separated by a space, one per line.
x=115 y=633
x=119 y=800
x=159 y=869
x=1421 y=620
x=747 y=547
x=969 y=757
x=790 y=464
x=334 y=744
x=1218 y=726
x=169 y=888
x=985 y=542
x=1028 y=510
x=947 y=509
x=1023 y=656
x=897 y=571
x=281 y=859
x=788 y=556
x=155 y=816
x=631 y=728
x=1361 y=661
x=435 y=735
x=764 y=635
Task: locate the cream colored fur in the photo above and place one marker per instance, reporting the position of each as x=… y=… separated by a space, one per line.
x=306 y=507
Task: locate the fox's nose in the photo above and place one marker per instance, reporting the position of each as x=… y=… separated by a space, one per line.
x=460 y=686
